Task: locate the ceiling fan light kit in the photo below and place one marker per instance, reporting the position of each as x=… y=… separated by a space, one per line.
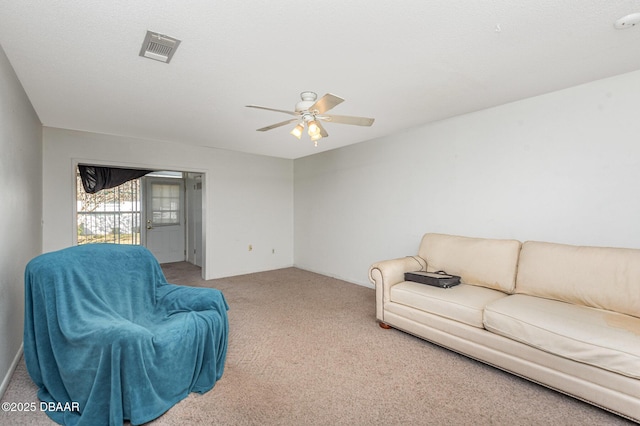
x=310 y=112
x=313 y=127
x=297 y=131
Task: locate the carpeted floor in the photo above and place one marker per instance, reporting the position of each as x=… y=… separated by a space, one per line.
x=305 y=349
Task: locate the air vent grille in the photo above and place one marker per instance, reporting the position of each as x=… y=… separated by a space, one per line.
x=159 y=47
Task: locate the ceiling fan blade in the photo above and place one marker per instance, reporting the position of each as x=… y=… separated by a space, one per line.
x=273 y=126
x=273 y=109
x=325 y=103
x=345 y=119
x=323 y=132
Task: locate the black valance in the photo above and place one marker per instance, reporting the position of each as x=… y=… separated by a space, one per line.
x=95 y=178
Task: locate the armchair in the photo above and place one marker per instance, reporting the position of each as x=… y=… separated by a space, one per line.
x=106 y=334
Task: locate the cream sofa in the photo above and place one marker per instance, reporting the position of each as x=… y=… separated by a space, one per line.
x=564 y=316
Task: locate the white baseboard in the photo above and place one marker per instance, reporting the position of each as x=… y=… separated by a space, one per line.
x=12 y=368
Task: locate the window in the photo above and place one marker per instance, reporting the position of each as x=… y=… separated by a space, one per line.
x=165 y=204
x=110 y=215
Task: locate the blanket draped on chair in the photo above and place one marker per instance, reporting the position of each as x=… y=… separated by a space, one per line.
x=107 y=339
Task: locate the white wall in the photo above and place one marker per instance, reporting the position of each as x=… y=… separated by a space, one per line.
x=562 y=167
x=248 y=198
x=20 y=209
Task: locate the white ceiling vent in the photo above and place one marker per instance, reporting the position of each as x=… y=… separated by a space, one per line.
x=159 y=47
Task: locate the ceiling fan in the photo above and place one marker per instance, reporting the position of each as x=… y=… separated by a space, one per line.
x=310 y=112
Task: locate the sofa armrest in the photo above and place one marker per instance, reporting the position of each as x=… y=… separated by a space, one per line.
x=387 y=273
x=177 y=298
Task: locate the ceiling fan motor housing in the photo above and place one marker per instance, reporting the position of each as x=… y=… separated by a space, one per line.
x=308 y=99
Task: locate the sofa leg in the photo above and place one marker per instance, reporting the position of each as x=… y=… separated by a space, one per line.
x=384 y=325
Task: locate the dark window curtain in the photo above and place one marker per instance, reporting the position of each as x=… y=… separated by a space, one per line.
x=95 y=178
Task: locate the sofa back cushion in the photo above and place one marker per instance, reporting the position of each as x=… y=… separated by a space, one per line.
x=490 y=263
x=599 y=277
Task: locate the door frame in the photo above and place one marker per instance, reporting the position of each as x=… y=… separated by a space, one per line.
x=193 y=206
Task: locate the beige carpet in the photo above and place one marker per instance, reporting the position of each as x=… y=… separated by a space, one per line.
x=305 y=349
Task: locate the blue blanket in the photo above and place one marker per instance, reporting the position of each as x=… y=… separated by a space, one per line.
x=107 y=339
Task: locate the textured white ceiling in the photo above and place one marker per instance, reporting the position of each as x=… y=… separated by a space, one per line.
x=403 y=63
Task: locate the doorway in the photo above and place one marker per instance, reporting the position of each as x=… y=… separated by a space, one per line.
x=162 y=211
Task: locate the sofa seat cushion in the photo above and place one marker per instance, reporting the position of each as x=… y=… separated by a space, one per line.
x=463 y=303
x=604 y=339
